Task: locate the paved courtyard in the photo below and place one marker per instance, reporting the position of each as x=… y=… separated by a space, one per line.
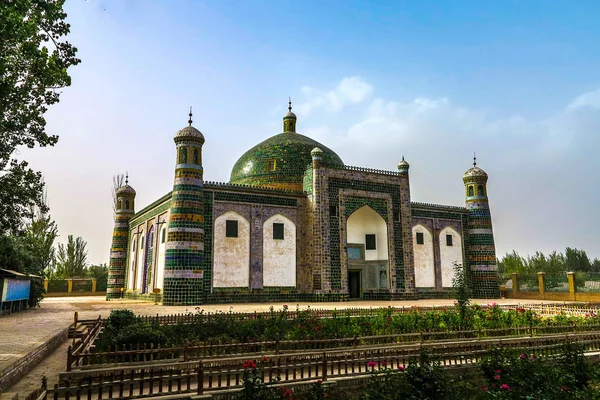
x=20 y=333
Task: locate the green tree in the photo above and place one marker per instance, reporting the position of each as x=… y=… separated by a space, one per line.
x=577 y=260
x=462 y=292
x=512 y=262
x=40 y=236
x=100 y=274
x=71 y=258
x=34 y=59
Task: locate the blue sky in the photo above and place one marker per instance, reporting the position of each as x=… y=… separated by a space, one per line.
x=516 y=81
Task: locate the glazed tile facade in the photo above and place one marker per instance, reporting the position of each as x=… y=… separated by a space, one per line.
x=298 y=179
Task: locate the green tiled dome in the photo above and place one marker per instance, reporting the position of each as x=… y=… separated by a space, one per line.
x=291 y=153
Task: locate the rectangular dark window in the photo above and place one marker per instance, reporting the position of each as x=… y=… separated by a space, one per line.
x=231 y=228
x=448 y=240
x=370 y=242
x=277 y=231
x=420 y=239
x=271 y=165
x=333 y=211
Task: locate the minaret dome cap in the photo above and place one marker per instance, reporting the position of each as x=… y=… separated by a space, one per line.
x=189 y=133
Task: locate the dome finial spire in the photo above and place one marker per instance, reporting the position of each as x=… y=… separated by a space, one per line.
x=126 y=177
x=190 y=114
x=290 y=104
x=474 y=159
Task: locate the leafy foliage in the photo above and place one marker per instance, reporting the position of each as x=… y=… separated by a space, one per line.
x=71 y=258
x=302 y=325
x=34 y=61
x=462 y=292
x=100 y=274
x=423 y=379
x=554 y=263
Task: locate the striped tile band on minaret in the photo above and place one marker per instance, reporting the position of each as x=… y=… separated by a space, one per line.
x=481 y=250
x=184 y=251
x=118 y=249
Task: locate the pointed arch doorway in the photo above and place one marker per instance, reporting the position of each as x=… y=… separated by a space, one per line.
x=367 y=252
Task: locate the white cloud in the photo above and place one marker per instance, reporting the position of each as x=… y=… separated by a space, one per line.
x=539 y=168
x=590 y=99
x=350 y=90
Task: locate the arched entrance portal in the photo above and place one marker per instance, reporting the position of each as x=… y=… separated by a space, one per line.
x=367 y=243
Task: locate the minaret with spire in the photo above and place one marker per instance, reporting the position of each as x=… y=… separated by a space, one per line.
x=184 y=248
x=124 y=210
x=289 y=119
x=480 y=248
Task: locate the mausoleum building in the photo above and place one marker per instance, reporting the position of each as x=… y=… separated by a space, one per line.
x=295 y=223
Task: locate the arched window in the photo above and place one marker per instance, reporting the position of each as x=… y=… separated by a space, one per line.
x=470 y=191
x=152 y=239
x=183 y=156
x=480 y=190
x=291 y=127
x=127 y=204
x=142 y=243
x=133 y=247
x=119 y=204
x=163 y=235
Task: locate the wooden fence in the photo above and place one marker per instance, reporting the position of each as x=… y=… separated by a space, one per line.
x=198 y=377
x=149 y=352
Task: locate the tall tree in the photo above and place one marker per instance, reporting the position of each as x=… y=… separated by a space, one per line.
x=577 y=260
x=71 y=258
x=34 y=59
x=118 y=181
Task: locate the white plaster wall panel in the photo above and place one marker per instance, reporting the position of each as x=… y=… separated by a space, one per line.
x=424 y=264
x=141 y=252
x=160 y=266
x=131 y=260
x=130 y=272
x=231 y=266
x=279 y=256
x=449 y=255
x=366 y=221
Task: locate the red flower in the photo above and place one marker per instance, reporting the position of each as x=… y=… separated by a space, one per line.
x=319 y=381
x=371 y=364
x=497 y=377
x=522 y=356
x=498 y=371
x=504 y=386
x=401 y=368
x=265 y=358
x=249 y=364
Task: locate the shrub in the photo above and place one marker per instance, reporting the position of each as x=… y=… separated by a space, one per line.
x=140 y=333
x=119 y=319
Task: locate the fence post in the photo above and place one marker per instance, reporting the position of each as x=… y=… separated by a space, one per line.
x=69 y=358
x=324 y=366
x=94 y=285
x=571 y=279
x=515 y=282
x=542 y=284
x=200 y=377
x=69 y=285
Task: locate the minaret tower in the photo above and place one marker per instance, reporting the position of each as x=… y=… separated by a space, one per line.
x=480 y=250
x=289 y=119
x=120 y=239
x=184 y=251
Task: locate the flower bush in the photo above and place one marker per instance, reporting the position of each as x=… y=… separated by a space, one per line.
x=304 y=325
